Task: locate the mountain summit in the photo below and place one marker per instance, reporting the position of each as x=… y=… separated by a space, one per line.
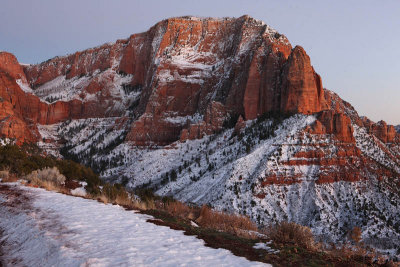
x=181 y=67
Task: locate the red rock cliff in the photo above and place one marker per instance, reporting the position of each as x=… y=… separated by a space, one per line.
x=183 y=71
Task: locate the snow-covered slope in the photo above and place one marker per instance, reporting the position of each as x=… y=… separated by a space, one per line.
x=270 y=171
x=42 y=228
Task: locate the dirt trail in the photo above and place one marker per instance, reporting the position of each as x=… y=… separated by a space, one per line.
x=16 y=201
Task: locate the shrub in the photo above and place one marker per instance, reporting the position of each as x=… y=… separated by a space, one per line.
x=173 y=175
x=4 y=174
x=355 y=234
x=230 y=121
x=28 y=158
x=231 y=223
x=76 y=171
x=292 y=233
x=111 y=192
x=7 y=177
x=145 y=194
x=124 y=200
x=51 y=175
x=179 y=209
x=358 y=253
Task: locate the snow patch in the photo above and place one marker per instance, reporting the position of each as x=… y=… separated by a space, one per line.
x=266 y=247
x=24 y=86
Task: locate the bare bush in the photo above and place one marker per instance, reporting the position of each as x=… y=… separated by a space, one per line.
x=49 y=186
x=7 y=177
x=355 y=234
x=123 y=199
x=103 y=198
x=51 y=175
x=349 y=251
x=179 y=209
x=231 y=223
x=292 y=233
x=4 y=174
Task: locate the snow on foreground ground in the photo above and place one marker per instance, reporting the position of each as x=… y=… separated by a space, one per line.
x=42 y=228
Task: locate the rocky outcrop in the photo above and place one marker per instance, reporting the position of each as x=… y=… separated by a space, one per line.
x=385 y=133
x=242 y=64
x=31 y=108
x=9 y=64
x=302 y=90
x=185 y=67
x=240 y=124
x=338 y=124
x=13 y=124
x=74 y=65
x=214 y=119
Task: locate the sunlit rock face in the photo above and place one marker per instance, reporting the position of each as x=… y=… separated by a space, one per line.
x=180 y=67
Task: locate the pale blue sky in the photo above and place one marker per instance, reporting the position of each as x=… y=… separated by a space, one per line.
x=353 y=45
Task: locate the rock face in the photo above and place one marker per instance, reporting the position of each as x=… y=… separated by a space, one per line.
x=236 y=62
x=12 y=122
x=181 y=66
x=181 y=80
x=9 y=64
x=329 y=122
x=386 y=133
x=26 y=110
x=302 y=90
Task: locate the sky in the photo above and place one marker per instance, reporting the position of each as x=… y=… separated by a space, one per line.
x=353 y=45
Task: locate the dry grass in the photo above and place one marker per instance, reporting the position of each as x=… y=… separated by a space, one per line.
x=292 y=233
x=231 y=223
x=48 y=185
x=10 y=179
x=103 y=198
x=355 y=234
x=147 y=205
x=139 y=205
x=135 y=204
x=7 y=177
x=48 y=178
x=4 y=174
x=142 y=205
x=124 y=200
x=179 y=209
x=359 y=253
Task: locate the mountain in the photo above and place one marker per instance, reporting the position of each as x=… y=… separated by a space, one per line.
x=214 y=111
